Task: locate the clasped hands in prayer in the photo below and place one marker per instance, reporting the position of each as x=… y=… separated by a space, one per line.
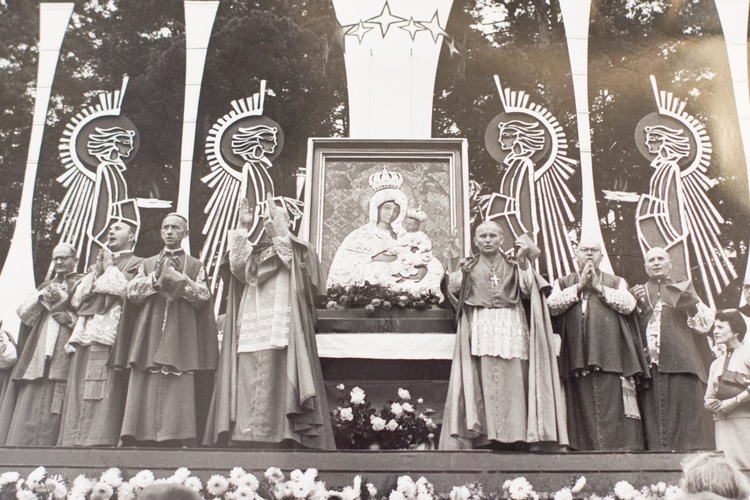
x=103 y=261
x=275 y=221
x=589 y=282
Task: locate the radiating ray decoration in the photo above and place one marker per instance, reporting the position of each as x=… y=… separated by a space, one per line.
x=733 y=15
x=677 y=213
x=240 y=148
x=391 y=51
x=576 y=14
x=199 y=21
x=17 y=277
x=94 y=147
x=534 y=197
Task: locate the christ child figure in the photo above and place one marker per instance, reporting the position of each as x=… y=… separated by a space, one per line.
x=413 y=248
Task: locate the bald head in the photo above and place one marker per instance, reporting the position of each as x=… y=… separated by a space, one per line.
x=658 y=264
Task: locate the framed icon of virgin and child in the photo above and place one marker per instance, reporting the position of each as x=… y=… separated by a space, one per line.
x=386 y=212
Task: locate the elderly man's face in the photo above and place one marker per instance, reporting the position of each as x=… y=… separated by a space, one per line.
x=658 y=264
x=589 y=251
x=64 y=260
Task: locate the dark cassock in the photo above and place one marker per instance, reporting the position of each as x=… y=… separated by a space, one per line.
x=95 y=398
x=601 y=358
x=31 y=409
x=269 y=386
x=504 y=386
x=168 y=337
x=8 y=357
x=673 y=324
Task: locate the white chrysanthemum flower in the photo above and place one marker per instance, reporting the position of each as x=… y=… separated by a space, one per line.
x=296 y=475
x=340 y=387
x=319 y=491
x=420 y=400
x=563 y=494
x=77 y=496
x=26 y=495
x=9 y=477
x=392 y=425
x=102 y=491
x=194 y=483
x=181 y=474
x=244 y=493
x=311 y=474
x=235 y=474
x=143 y=479
x=407 y=407
x=424 y=496
x=371 y=489
x=274 y=475
x=248 y=481
x=357 y=396
x=406 y=486
x=126 y=491
x=520 y=489
x=349 y=493
x=404 y=394
x=217 y=485
x=624 y=490
x=112 y=477
x=579 y=485
x=300 y=489
x=37 y=475
x=460 y=493
x=80 y=487
x=286 y=488
x=56 y=488
x=673 y=492
x=396 y=495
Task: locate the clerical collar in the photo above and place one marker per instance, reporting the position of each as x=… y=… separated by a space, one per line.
x=121 y=252
x=173 y=252
x=661 y=281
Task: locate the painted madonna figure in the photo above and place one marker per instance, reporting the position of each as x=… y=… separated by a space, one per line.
x=368 y=253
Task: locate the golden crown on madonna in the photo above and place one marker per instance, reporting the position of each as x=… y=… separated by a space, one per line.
x=385 y=180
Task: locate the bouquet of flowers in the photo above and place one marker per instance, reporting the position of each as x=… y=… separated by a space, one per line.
x=397 y=426
x=352 y=420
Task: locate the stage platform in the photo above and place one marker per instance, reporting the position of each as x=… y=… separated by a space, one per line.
x=546 y=471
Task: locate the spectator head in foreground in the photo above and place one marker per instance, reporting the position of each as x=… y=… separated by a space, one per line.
x=711 y=472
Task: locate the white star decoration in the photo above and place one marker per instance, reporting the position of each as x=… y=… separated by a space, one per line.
x=385 y=19
x=412 y=28
x=359 y=30
x=434 y=27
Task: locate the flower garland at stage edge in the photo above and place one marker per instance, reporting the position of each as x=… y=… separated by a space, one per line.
x=399 y=425
x=373 y=297
x=241 y=485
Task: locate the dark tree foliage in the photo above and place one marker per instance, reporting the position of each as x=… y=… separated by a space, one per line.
x=296 y=46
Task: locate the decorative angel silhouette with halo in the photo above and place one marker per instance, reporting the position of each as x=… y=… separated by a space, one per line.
x=533 y=198
x=677 y=213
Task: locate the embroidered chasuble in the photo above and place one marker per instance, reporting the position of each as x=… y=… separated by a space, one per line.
x=269 y=388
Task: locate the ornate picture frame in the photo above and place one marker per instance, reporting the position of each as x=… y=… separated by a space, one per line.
x=337 y=193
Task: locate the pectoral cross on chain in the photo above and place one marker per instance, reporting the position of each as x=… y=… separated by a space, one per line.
x=494 y=280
